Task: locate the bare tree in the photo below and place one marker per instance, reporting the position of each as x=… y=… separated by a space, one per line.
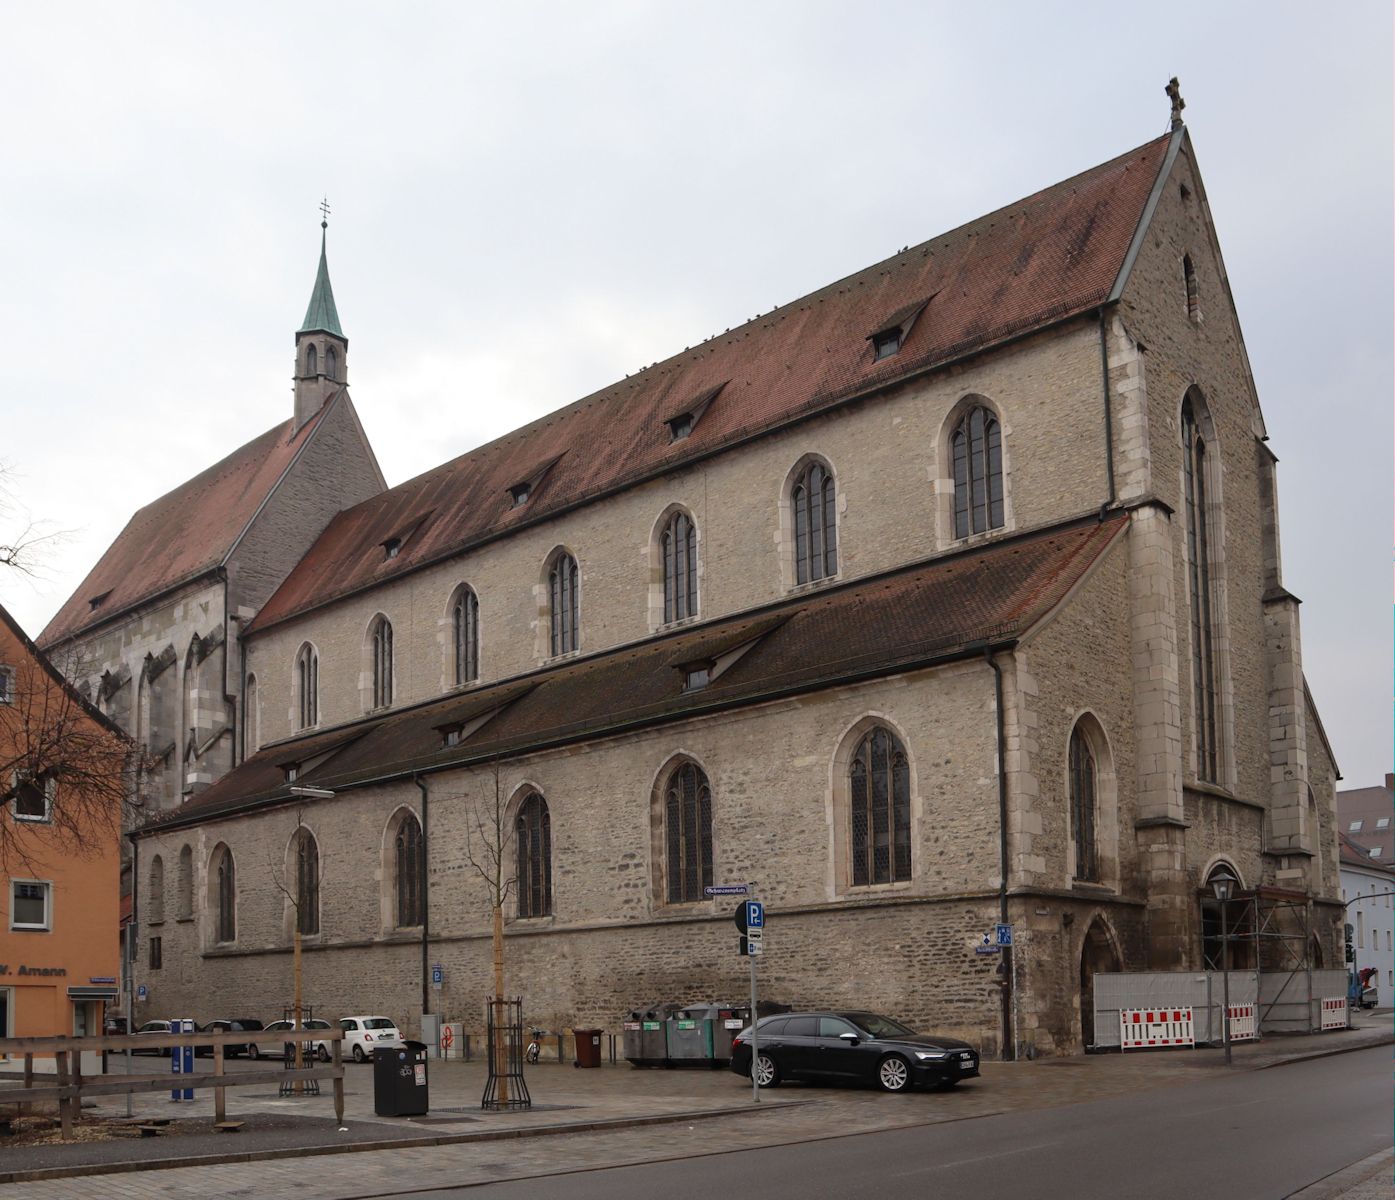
x=298 y=880
x=23 y=541
x=489 y=849
x=60 y=764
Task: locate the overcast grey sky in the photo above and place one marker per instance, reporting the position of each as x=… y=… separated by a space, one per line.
x=531 y=200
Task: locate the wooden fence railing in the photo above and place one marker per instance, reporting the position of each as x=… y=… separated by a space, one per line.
x=71 y=1085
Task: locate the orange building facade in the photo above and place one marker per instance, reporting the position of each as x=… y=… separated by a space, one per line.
x=62 y=766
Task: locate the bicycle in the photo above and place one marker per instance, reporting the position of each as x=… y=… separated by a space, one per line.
x=535 y=1046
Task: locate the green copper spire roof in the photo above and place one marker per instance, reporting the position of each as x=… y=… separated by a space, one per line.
x=322 y=314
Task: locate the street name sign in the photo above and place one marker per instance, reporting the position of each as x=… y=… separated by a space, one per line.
x=728 y=889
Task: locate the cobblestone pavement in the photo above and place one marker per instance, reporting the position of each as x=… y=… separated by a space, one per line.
x=615 y=1093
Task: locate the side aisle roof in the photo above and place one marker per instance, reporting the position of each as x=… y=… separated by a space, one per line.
x=907 y=619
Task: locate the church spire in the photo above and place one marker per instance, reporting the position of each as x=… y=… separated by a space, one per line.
x=321 y=349
x=322 y=315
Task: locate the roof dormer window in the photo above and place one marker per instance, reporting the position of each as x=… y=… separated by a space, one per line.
x=682 y=422
x=520 y=493
x=391 y=547
x=885 y=344
x=680 y=426
x=696 y=676
x=97 y=601
x=451 y=735
x=292 y=771
x=888 y=338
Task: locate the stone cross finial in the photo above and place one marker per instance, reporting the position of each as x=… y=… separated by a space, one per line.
x=1174 y=93
x=324 y=207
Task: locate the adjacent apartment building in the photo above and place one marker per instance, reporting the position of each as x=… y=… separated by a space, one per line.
x=63 y=776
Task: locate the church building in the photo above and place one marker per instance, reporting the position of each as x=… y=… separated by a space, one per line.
x=948 y=595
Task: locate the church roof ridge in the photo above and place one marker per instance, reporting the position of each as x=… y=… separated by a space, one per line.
x=1042 y=259
x=322 y=315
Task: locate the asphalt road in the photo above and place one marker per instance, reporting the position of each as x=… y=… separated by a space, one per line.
x=1253 y=1135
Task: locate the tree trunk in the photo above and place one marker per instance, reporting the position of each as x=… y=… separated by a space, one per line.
x=500 y=1048
x=299 y=1062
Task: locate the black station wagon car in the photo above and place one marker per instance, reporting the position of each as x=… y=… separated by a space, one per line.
x=851 y=1047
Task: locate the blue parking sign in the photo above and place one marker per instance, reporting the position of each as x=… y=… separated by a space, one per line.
x=755 y=914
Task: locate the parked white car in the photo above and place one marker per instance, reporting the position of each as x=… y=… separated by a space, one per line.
x=363 y=1035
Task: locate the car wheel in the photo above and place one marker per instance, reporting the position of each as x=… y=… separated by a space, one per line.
x=767 y=1073
x=252 y=1051
x=894 y=1074
x=323 y=1053
x=358 y=1054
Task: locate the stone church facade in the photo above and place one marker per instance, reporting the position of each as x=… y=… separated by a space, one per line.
x=947 y=595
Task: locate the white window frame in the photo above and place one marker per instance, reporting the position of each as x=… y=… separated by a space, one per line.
x=50 y=789
x=47 y=926
x=7 y=684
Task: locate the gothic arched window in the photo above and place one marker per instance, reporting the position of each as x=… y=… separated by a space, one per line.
x=465 y=636
x=564 y=607
x=157 y=891
x=533 y=830
x=976 y=450
x=381 y=648
x=307 y=883
x=688 y=834
x=311 y=360
x=813 y=506
x=331 y=363
x=184 y=885
x=678 y=547
x=1196 y=466
x=880 y=808
x=1084 y=793
x=307 y=686
x=225 y=896
x=408 y=869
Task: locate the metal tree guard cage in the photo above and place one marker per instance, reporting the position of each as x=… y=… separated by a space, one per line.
x=504 y=1087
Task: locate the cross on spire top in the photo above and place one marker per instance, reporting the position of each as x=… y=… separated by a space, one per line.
x=1174 y=93
x=324 y=207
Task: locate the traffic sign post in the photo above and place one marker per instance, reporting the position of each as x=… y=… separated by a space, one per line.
x=438 y=975
x=750 y=919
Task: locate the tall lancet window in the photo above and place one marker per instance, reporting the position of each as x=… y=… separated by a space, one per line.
x=1196 y=466
x=311 y=359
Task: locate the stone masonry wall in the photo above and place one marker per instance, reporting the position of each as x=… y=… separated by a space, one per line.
x=612 y=942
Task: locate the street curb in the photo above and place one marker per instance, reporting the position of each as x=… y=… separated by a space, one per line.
x=1385 y=1039
x=38 y=1174
x=1331 y=1187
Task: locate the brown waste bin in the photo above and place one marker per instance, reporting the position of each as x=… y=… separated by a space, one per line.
x=588 y=1047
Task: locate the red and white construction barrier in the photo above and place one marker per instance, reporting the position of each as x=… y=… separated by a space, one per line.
x=1335 y=1013
x=1243 y=1027
x=1139 y=1027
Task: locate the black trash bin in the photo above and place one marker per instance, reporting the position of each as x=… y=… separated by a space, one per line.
x=399 y=1080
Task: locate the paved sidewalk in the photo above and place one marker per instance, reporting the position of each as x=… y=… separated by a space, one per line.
x=696 y=1107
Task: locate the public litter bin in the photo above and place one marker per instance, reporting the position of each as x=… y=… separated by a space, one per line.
x=399 y=1080
x=588 y=1047
x=689 y=1034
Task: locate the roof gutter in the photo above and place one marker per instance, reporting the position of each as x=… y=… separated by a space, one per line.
x=425 y=895
x=966 y=653
x=1008 y=1043
x=1108 y=416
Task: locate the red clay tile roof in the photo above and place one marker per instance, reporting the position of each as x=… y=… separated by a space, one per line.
x=899 y=621
x=1054 y=254
x=183 y=534
x=1354 y=854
